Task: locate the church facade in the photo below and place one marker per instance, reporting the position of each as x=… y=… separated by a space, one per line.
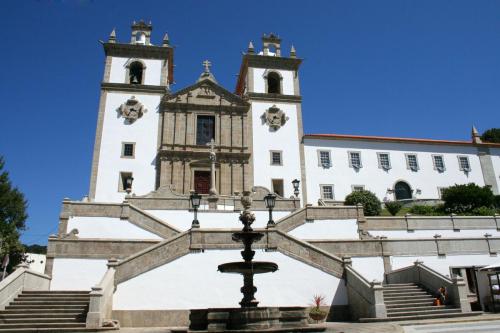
x=133 y=242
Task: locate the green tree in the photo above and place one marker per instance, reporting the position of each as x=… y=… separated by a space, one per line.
x=371 y=204
x=12 y=218
x=465 y=198
x=491 y=135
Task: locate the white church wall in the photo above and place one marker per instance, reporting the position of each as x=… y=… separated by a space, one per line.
x=260 y=82
x=77 y=274
x=174 y=286
x=442 y=265
x=375 y=179
x=463 y=233
x=284 y=139
x=118 y=71
x=181 y=219
x=327 y=229
x=143 y=132
x=371 y=268
x=107 y=227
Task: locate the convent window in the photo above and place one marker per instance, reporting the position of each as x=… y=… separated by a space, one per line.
x=205 y=129
x=324 y=159
x=412 y=162
x=278 y=186
x=128 y=150
x=463 y=163
x=273 y=83
x=438 y=161
x=136 y=71
x=327 y=192
x=355 y=159
x=383 y=161
x=276 y=158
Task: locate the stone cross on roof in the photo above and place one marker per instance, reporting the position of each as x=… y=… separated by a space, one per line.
x=207 y=65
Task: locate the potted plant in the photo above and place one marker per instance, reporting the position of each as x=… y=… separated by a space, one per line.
x=316 y=313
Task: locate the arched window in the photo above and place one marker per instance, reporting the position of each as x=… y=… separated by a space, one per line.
x=273 y=83
x=402 y=191
x=136 y=71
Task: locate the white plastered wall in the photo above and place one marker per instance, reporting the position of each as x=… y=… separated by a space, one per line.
x=371 y=268
x=442 y=264
x=285 y=139
x=462 y=233
x=495 y=158
x=377 y=180
x=77 y=274
x=118 y=71
x=182 y=219
x=143 y=132
x=193 y=281
x=107 y=227
x=327 y=229
x=259 y=82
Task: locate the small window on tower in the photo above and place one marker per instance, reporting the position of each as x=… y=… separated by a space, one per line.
x=273 y=83
x=128 y=150
x=278 y=186
x=276 y=158
x=136 y=71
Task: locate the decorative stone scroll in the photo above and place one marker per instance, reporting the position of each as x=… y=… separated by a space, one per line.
x=274 y=117
x=132 y=109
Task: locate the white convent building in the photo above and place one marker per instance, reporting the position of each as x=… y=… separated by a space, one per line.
x=132 y=239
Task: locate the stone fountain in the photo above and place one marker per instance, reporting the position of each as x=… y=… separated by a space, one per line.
x=249 y=317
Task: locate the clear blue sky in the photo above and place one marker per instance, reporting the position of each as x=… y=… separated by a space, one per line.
x=425 y=69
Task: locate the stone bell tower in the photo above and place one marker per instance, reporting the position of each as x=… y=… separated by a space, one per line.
x=136 y=76
x=270 y=82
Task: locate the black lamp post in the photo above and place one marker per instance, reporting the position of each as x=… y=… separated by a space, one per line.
x=195 y=199
x=295 y=184
x=270 y=201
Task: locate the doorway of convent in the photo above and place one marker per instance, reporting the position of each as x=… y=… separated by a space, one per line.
x=402 y=191
x=202 y=182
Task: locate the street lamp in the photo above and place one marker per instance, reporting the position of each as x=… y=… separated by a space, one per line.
x=195 y=199
x=270 y=201
x=128 y=184
x=295 y=184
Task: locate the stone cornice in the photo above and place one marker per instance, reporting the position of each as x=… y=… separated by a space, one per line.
x=274 y=97
x=261 y=61
x=222 y=157
x=132 y=88
x=138 y=51
x=185 y=107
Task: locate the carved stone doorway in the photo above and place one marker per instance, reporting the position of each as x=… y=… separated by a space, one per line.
x=202 y=182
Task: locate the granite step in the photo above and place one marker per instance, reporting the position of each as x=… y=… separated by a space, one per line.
x=46 y=306
x=50 y=302
x=419 y=317
x=412 y=307
x=423 y=312
x=62 y=310
x=37 y=321
x=42 y=325
x=44 y=314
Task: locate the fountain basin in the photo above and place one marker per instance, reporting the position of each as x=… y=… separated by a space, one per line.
x=251 y=236
x=252 y=267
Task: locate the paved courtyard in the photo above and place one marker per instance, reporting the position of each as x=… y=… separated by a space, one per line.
x=483 y=326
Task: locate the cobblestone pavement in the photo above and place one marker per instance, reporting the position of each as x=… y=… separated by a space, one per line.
x=363 y=328
x=463 y=327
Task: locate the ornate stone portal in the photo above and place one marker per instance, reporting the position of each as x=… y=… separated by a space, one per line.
x=132 y=110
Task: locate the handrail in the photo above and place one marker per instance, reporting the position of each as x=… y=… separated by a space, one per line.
x=21 y=279
x=101 y=299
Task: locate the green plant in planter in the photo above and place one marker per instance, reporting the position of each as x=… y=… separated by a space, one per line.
x=316 y=313
x=393 y=207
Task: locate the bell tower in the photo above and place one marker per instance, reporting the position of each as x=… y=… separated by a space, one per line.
x=137 y=74
x=270 y=82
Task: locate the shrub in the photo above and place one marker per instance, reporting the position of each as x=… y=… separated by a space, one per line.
x=496 y=201
x=423 y=210
x=371 y=204
x=483 y=211
x=393 y=207
x=463 y=199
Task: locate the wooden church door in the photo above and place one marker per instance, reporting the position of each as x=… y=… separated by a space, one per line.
x=202 y=182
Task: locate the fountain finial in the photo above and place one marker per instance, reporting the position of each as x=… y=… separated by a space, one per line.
x=246 y=216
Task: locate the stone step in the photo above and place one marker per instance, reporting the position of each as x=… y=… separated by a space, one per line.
x=50 y=302
x=408 y=297
x=405 y=293
x=42 y=325
x=54 y=330
x=62 y=310
x=46 y=306
x=399 y=284
x=41 y=315
x=423 y=312
x=408 y=300
x=411 y=306
x=37 y=321
x=56 y=292
x=390 y=286
x=52 y=298
x=419 y=317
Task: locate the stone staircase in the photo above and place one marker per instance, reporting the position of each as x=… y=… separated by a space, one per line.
x=46 y=311
x=409 y=301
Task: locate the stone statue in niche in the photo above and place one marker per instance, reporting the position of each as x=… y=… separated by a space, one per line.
x=132 y=109
x=274 y=117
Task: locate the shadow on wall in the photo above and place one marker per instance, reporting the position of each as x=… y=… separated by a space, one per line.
x=339 y=312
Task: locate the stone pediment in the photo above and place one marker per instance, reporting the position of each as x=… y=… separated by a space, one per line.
x=208 y=93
